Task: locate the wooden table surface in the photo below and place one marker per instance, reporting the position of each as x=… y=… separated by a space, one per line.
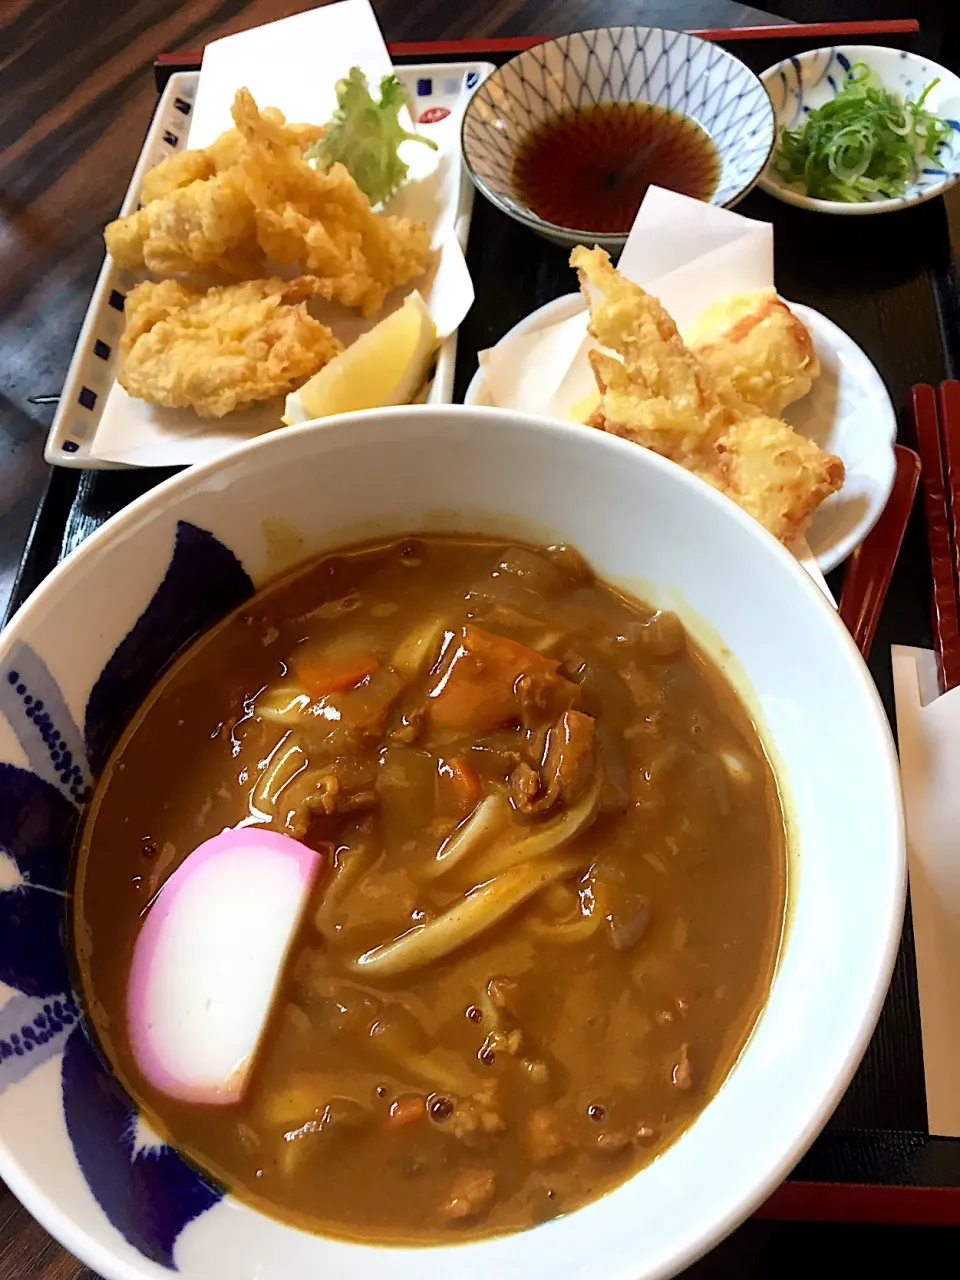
x=78 y=92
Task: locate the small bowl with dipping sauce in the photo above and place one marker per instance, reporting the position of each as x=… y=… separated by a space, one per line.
x=567 y=136
x=803 y=84
x=95 y=1160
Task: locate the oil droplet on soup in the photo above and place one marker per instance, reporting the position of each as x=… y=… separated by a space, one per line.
x=590 y=169
x=552 y=895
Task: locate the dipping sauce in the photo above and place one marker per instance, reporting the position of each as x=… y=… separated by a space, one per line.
x=454 y=720
x=590 y=169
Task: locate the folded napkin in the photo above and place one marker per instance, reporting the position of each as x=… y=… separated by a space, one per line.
x=928 y=729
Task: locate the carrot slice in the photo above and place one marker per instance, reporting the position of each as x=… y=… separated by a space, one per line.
x=476 y=688
x=409 y=1108
x=320 y=675
x=463 y=782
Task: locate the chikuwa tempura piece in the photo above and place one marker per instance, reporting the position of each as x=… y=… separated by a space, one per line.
x=757 y=349
x=208 y=959
x=658 y=393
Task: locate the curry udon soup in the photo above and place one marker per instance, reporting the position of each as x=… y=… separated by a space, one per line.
x=552 y=890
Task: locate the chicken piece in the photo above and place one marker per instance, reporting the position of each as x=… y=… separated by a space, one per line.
x=567 y=765
x=659 y=394
x=757 y=349
x=545 y=1136
x=470 y=1195
x=223 y=348
x=543 y=697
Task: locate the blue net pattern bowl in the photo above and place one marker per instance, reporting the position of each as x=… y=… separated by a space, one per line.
x=616 y=64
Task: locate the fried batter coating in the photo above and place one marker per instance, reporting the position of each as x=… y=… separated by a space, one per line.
x=323 y=220
x=207 y=224
x=757 y=349
x=223 y=348
x=252 y=195
x=661 y=395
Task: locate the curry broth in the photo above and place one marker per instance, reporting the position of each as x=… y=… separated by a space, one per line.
x=540 y=1065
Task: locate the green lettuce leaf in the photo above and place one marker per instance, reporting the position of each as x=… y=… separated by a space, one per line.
x=365 y=135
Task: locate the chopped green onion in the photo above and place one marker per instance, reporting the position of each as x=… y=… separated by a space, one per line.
x=863 y=145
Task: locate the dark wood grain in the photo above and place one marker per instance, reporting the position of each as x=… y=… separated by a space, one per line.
x=77 y=93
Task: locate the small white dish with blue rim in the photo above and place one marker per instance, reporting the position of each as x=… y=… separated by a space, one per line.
x=803 y=83
x=669 y=69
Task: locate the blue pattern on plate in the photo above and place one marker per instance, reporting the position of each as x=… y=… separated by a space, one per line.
x=147 y=1191
x=37 y=827
x=34 y=707
x=148 y=1194
x=203 y=583
x=32 y=1030
x=614 y=64
x=793 y=87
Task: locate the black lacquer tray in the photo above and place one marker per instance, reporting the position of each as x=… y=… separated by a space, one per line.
x=891 y=283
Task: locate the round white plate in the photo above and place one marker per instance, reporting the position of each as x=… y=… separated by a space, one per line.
x=848 y=412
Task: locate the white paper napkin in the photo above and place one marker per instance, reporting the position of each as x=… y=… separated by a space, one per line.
x=928 y=731
x=294 y=64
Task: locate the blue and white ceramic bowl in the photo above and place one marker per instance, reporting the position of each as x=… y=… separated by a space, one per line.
x=85 y=649
x=799 y=85
x=616 y=64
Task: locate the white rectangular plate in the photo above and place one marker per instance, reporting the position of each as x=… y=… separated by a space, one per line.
x=434 y=88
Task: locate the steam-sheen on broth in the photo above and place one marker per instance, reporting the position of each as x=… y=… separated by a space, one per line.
x=553 y=889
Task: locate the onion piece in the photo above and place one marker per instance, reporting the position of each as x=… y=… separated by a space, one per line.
x=282 y=703
x=208 y=959
x=472 y=915
x=579 y=930
x=284 y=763
x=485 y=822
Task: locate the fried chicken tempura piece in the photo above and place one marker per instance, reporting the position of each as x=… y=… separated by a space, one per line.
x=207 y=224
x=660 y=395
x=224 y=348
x=322 y=219
x=251 y=194
x=757 y=350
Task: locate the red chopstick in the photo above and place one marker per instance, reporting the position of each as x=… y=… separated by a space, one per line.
x=948 y=413
x=517 y=44
x=870 y=568
x=941 y=537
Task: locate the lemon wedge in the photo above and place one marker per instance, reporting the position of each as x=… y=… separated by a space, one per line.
x=581 y=410
x=385 y=366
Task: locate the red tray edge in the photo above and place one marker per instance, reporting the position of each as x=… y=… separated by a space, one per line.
x=862 y=1203
x=516 y=44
